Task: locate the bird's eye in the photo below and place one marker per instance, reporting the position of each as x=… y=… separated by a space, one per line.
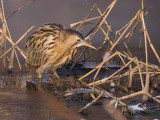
x=78 y=40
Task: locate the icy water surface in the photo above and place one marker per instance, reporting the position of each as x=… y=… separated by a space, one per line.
x=41 y=102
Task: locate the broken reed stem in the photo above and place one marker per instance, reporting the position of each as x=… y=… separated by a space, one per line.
x=142 y=33
x=113 y=46
x=121 y=58
x=11 y=60
x=111 y=96
x=16 y=42
x=142 y=4
x=137 y=94
x=81 y=78
x=129 y=58
x=105 y=80
x=150 y=66
x=151 y=72
x=127 y=49
x=20 y=50
x=7 y=30
x=152 y=47
x=127 y=74
x=104 y=42
x=130 y=96
x=91 y=103
x=108 y=26
x=9 y=38
x=4 y=23
x=3 y=35
x=140 y=73
x=102 y=18
x=130 y=77
x=146 y=88
x=130 y=34
x=2 y=8
x=106 y=36
x=100 y=22
x=149 y=95
x=114 y=98
x=140 y=62
x=118 y=31
x=77 y=23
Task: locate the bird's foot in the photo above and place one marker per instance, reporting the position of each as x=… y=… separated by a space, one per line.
x=55 y=73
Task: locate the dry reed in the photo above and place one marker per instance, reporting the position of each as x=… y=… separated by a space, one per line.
x=6 y=37
x=136 y=67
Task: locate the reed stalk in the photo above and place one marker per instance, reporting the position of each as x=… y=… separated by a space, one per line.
x=16 y=42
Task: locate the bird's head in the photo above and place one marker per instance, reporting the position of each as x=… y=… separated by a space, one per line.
x=75 y=39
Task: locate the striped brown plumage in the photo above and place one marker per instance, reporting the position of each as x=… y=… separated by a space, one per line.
x=51 y=46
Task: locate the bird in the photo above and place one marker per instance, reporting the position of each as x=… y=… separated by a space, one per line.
x=51 y=46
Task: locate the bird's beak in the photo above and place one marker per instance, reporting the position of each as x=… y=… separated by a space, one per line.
x=84 y=43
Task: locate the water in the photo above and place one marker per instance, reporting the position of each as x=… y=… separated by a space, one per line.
x=46 y=101
x=42 y=103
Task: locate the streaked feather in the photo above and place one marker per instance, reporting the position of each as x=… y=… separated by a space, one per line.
x=47 y=47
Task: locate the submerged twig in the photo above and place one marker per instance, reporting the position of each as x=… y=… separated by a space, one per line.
x=91 y=103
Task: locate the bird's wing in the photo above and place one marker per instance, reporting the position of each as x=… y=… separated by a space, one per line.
x=40 y=44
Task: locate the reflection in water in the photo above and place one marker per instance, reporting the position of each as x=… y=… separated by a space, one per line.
x=7 y=81
x=41 y=104
x=47 y=102
x=17 y=103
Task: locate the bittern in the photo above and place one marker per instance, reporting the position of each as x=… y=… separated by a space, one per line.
x=51 y=46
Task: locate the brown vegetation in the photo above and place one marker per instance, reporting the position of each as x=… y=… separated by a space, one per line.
x=136 y=67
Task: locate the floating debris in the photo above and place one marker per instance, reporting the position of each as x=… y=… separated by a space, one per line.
x=84 y=91
x=92 y=65
x=134 y=109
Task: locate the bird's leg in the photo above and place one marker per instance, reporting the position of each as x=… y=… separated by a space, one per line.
x=40 y=77
x=57 y=76
x=39 y=85
x=55 y=73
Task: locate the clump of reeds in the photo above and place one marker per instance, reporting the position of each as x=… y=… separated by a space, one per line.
x=136 y=67
x=8 y=54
